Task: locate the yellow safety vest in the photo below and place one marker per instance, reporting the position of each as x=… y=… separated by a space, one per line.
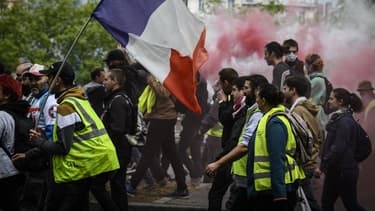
x=239 y=166
x=262 y=174
x=216 y=130
x=92 y=151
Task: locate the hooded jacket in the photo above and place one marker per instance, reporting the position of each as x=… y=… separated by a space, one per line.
x=308 y=110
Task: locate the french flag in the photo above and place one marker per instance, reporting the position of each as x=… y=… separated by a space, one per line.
x=164 y=37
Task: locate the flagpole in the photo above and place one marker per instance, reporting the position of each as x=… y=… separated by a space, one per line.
x=43 y=104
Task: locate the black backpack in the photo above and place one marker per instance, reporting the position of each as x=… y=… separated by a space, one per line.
x=136 y=135
x=363 y=146
x=329 y=89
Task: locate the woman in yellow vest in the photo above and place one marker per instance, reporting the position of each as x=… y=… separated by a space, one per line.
x=273 y=174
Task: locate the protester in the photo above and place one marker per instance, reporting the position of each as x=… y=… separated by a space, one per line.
x=117 y=118
x=367 y=169
x=211 y=127
x=295 y=90
x=314 y=66
x=94 y=90
x=11 y=181
x=273 y=54
x=238 y=197
x=223 y=178
x=161 y=115
x=25 y=81
x=273 y=174
x=291 y=57
x=338 y=161
x=81 y=149
x=43 y=119
x=190 y=126
x=135 y=73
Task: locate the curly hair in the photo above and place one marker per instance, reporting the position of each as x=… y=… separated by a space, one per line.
x=11 y=87
x=315 y=61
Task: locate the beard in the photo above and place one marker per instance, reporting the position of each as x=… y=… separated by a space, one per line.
x=250 y=99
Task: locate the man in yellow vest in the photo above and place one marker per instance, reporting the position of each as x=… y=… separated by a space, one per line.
x=273 y=173
x=83 y=155
x=238 y=199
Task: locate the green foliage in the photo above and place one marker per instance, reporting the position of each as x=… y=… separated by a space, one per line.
x=43 y=31
x=272 y=7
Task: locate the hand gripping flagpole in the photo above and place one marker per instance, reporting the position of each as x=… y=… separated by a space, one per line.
x=43 y=104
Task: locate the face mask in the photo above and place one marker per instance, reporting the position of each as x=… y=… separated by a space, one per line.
x=291 y=57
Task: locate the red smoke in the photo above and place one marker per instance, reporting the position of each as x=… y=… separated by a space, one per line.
x=244 y=37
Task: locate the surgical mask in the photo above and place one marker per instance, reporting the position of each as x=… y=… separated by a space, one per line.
x=291 y=57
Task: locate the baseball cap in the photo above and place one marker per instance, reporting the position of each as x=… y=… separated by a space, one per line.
x=66 y=73
x=35 y=70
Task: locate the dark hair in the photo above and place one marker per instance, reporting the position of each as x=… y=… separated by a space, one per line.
x=276 y=48
x=315 y=61
x=118 y=75
x=11 y=87
x=271 y=94
x=350 y=100
x=115 y=58
x=96 y=72
x=228 y=74
x=239 y=82
x=290 y=43
x=256 y=81
x=300 y=83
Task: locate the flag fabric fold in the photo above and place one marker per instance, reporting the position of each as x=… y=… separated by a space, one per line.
x=164 y=37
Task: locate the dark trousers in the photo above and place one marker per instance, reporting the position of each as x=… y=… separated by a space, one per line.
x=308 y=190
x=35 y=190
x=97 y=188
x=160 y=136
x=10 y=188
x=341 y=183
x=118 y=180
x=220 y=184
x=210 y=151
x=70 y=196
x=188 y=139
x=238 y=200
x=265 y=202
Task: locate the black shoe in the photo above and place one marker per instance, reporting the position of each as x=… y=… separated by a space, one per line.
x=184 y=193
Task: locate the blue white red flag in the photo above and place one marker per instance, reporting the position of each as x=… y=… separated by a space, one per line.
x=164 y=37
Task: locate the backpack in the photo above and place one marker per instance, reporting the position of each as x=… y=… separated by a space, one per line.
x=329 y=89
x=363 y=146
x=136 y=135
x=303 y=137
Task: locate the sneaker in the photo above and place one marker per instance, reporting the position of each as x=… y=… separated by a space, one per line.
x=184 y=193
x=129 y=189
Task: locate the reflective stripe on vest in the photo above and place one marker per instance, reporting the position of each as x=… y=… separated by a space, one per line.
x=261 y=171
x=216 y=130
x=92 y=151
x=239 y=166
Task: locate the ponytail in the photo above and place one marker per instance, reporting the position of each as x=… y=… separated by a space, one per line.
x=350 y=100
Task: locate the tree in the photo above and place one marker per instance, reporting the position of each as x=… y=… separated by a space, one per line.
x=43 y=30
